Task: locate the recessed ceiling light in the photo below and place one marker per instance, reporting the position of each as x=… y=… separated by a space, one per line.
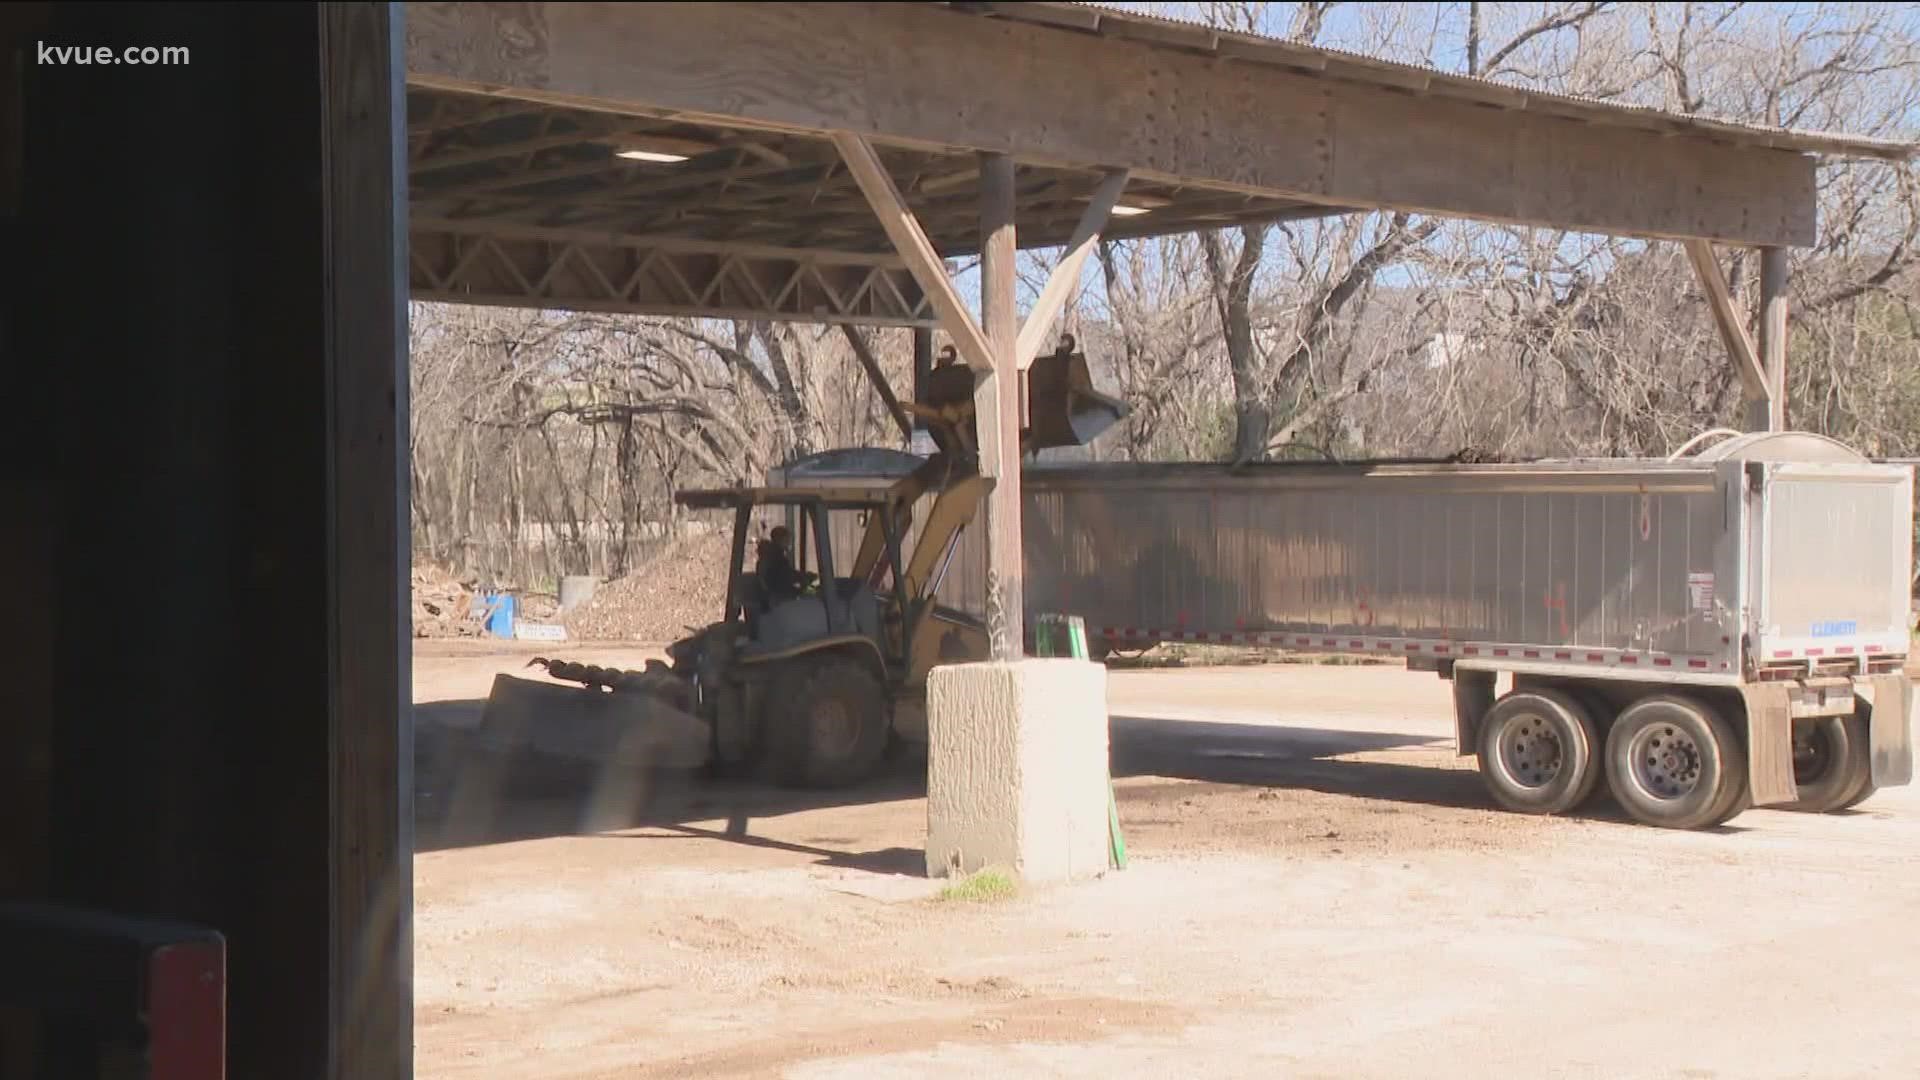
x=651 y=155
x=660 y=148
x=1137 y=203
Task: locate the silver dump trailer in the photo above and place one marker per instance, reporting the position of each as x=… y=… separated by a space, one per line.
x=1704 y=634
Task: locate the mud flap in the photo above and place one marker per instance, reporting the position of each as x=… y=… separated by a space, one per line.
x=1472 y=697
x=1892 y=735
x=1770 y=744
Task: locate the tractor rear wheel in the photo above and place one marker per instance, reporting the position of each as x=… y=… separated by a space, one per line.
x=826 y=723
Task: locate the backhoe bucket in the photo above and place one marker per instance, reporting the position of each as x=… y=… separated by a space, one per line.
x=549 y=734
x=1062 y=407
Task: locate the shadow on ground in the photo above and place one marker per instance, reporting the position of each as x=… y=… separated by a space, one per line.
x=1288 y=757
x=462 y=800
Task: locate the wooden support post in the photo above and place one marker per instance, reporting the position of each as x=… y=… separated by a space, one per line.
x=1731 y=323
x=997 y=408
x=910 y=240
x=1086 y=236
x=871 y=365
x=1771 y=414
x=363 y=161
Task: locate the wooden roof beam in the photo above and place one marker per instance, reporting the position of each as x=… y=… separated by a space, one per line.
x=923 y=262
x=1728 y=319
x=1066 y=274
x=895 y=72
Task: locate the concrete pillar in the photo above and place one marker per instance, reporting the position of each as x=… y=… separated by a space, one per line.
x=1017 y=769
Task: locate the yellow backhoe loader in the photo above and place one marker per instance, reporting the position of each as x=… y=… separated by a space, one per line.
x=806 y=688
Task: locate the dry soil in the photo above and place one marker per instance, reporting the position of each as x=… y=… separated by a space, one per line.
x=1318 y=888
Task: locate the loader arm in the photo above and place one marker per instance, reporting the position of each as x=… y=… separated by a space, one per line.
x=952 y=511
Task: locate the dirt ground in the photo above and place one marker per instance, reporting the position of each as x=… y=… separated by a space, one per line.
x=1318 y=888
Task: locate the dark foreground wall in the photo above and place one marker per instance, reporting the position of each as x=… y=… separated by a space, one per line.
x=202 y=533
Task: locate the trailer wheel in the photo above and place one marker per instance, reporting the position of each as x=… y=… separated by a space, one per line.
x=1832 y=762
x=1865 y=787
x=1536 y=752
x=1865 y=792
x=826 y=723
x=1675 y=763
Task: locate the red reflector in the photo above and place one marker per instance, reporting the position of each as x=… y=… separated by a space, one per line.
x=1354 y=644
x=1499 y=652
x=1816 y=652
x=1697 y=663
x=1629 y=659
x=1386 y=644
x=1329 y=642
x=1596 y=657
x=1563 y=656
x=1472 y=650
x=187 y=1012
x=1843 y=650
x=1302 y=641
x=1531 y=654
x=1661 y=661
x=1442 y=649
x=1873 y=648
x=1413 y=648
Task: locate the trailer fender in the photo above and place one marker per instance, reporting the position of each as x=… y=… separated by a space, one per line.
x=1891 y=732
x=1769 y=708
x=1472 y=697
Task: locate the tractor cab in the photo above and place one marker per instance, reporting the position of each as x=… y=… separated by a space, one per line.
x=790 y=591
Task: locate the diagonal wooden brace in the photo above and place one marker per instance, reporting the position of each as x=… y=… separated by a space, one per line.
x=910 y=240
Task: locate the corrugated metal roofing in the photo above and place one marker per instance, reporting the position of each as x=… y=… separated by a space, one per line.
x=1193 y=36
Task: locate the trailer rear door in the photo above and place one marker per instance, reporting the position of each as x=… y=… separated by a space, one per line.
x=1834 y=557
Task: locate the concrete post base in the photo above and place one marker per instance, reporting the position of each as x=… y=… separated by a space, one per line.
x=1017 y=769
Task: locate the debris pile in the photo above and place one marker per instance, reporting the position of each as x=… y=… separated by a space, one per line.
x=682 y=585
x=442 y=606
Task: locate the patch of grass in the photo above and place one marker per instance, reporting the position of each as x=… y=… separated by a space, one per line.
x=982 y=887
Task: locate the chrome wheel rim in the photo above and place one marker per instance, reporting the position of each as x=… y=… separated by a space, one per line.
x=1530 y=751
x=1666 y=761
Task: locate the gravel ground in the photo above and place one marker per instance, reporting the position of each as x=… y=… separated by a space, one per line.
x=1319 y=889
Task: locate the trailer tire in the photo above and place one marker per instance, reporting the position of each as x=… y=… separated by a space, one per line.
x=1863 y=712
x=1832 y=763
x=826 y=723
x=1536 y=752
x=1675 y=763
x=1865 y=792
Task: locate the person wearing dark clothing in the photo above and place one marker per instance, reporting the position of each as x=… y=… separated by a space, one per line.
x=778 y=579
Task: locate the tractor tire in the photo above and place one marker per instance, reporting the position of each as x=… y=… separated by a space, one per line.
x=826 y=723
x=1537 y=752
x=1832 y=762
x=1675 y=763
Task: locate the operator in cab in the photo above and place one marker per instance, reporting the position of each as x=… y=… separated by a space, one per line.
x=774 y=567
